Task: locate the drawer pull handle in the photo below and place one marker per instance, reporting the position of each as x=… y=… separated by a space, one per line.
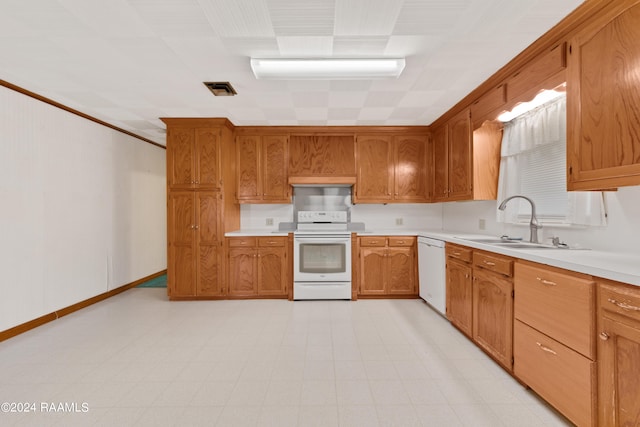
x=456 y=253
x=545 y=348
x=604 y=336
x=546 y=282
x=489 y=263
x=400 y=242
x=623 y=305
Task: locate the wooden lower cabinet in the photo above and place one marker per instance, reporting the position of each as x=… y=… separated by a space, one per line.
x=618 y=354
x=387 y=266
x=493 y=315
x=195 y=248
x=258 y=266
x=459 y=294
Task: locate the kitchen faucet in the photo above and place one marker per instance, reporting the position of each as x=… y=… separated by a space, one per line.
x=533 y=224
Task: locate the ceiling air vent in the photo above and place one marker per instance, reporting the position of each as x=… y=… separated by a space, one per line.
x=221 y=88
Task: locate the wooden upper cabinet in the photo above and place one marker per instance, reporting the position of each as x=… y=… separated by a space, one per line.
x=262 y=169
x=460 y=157
x=274 y=157
x=603 y=101
x=465 y=163
x=489 y=106
x=193 y=158
x=545 y=71
x=322 y=157
x=374 y=160
x=392 y=169
x=411 y=167
x=440 y=163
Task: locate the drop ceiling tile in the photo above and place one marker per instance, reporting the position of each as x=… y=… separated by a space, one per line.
x=374 y=114
x=418 y=17
x=350 y=114
x=402 y=46
x=238 y=18
x=349 y=85
x=248 y=114
x=366 y=17
x=257 y=47
x=46 y=17
x=139 y=124
x=269 y=100
x=310 y=99
x=308 y=85
x=360 y=47
x=302 y=18
x=108 y=18
x=383 y=99
x=305 y=47
x=173 y=17
x=272 y=114
x=347 y=99
x=311 y=114
x=406 y=114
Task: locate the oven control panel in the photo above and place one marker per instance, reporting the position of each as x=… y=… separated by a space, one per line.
x=322 y=216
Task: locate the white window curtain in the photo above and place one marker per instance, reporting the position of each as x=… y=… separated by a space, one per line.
x=533 y=164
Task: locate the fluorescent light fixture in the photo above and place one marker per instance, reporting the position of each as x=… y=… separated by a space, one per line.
x=524 y=107
x=326 y=68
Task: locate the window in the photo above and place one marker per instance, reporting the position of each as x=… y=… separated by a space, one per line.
x=533 y=164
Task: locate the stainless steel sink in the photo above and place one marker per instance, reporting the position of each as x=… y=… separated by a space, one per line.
x=513 y=244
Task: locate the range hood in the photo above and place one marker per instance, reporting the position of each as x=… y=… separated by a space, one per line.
x=322 y=180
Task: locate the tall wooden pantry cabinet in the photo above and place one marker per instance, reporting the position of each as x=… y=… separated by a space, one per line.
x=200 y=165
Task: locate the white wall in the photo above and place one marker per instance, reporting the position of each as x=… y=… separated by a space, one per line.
x=83 y=209
x=375 y=216
x=621 y=234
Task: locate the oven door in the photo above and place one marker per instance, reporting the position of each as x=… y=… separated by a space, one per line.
x=322 y=258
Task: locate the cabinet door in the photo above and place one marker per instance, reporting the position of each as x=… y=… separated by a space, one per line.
x=209 y=243
x=460 y=157
x=375 y=169
x=372 y=271
x=322 y=155
x=207 y=158
x=410 y=161
x=440 y=164
x=618 y=367
x=180 y=158
x=459 y=295
x=401 y=268
x=181 y=273
x=248 y=158
x=603 y=101
x=493 y=315
x=275 y=187
x=242 y=278
x=272 y=271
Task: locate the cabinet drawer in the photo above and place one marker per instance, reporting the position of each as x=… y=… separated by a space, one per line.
x=559 y=304
x=458 y=252
x=271 y=241
x=564 y=378
x=402 y=241
x=620 y=299
x=373 y=241
x=494 y=263
x=242 y=242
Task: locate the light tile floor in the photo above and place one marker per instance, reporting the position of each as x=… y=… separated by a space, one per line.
x=137 y=359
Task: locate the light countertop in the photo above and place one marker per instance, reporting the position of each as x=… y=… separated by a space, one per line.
x=618 y=266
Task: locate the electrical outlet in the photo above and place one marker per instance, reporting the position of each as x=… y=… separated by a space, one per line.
x=399 y=221
x=269 y=221
x=481 y=224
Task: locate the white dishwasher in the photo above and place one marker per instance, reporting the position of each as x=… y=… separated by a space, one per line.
x=431 y=272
